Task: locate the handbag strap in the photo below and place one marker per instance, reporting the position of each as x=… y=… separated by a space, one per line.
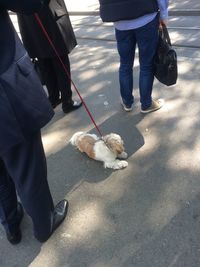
x=165 y=34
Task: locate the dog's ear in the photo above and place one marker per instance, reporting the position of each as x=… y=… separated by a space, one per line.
x=115 y=145
x=119 y=148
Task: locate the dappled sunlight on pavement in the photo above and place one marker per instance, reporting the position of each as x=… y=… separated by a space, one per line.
x=148 y=214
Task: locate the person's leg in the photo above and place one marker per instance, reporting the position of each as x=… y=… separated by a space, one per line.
x=126 y=43
x=26 y=164
x=147 y=40
x=63 y=79
x=64 y=84
x=8 y=201
x=46 y=66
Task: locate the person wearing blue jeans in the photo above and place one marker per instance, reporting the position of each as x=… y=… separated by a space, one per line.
x=136 y=23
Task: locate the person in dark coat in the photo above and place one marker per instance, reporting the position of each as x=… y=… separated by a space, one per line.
x=24 y=110
x=56 y=22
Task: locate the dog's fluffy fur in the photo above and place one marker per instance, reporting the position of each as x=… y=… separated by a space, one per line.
x=109 y=148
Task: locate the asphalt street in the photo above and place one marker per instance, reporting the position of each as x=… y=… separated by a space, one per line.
x=147 y=215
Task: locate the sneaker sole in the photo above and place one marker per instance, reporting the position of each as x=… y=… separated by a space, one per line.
x=149 y=111
x=126 y=109
x=152 y=110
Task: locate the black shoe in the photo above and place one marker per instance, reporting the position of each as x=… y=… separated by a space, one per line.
x=59 y=214
x=71 y=107
x=15 y=237
x=56 y=103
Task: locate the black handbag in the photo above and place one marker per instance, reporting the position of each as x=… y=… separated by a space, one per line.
x=166 y=70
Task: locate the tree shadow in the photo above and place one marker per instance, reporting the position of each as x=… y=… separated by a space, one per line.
x=177 y=244
x=144 y=214
x=79 y=168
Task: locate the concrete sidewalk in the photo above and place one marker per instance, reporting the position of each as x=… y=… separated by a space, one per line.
x=147 y=215
x=86 y=5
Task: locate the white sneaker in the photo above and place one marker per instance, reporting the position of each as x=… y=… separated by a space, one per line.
x=155 y=105
x=126 y=108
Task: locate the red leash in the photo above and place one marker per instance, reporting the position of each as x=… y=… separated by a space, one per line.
x=66 y=72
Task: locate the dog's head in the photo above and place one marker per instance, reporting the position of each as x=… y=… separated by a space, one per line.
x=75 y=138
x=114 y=142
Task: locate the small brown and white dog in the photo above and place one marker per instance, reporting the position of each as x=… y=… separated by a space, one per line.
x=109 y=148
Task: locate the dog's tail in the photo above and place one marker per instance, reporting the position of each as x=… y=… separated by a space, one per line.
x=75 y=137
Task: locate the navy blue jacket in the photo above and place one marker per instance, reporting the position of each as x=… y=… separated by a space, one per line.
x=115 y=10
x=24 y=107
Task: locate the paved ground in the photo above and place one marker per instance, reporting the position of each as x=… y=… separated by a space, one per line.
x=147 y=215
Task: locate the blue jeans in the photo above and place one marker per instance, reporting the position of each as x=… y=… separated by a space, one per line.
x=146 y=38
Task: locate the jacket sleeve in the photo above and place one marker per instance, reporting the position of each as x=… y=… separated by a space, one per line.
x=23 y=6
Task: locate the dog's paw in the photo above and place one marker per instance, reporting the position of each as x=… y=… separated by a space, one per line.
x=116 y=165
x=123 y=155
x=122 y=164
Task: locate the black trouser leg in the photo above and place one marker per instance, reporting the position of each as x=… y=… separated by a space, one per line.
x=26 y=164
x=63 y=79
x=8 y=200
x=48 y=73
